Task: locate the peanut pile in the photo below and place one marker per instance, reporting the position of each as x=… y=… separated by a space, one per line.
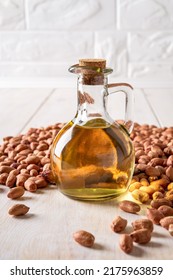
x=153 y=174
x=25 y=163
x=25 y=160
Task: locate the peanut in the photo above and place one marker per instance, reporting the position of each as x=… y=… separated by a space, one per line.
x=154 y=215
x=18 y=210
x=11 y=179
x=32 y=159
x=144 y=182
x=5 y=169
x=170 y=186
x=16 y=192
x=152 y=171
x=161 y=182
x=166 y=221
x=48 y=175
x=24 y=172
x=126 y=243
x=129 y=206
x=147 y=189
x=21 y=179
x=157 y=195
x=141 y=236
x=33 y=172
x=3 y=178
x=159 y=202
x=118 y=224
x=40 y=182
x=166 y=210
x=30 y=185
x=168 y=193
x=33 y=166
x=143 y=223
x=134 y=186
x=169 y=172
x=140 y=195
x=84 y=238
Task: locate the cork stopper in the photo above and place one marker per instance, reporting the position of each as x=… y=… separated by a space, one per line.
x=94 y=62
x=93 y=76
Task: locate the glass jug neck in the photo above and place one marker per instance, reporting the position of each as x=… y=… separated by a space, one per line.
x=92 y=99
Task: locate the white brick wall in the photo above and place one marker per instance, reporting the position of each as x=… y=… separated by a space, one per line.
x=42 y=38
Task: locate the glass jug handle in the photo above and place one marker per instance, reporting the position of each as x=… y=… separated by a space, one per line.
x=127 y=89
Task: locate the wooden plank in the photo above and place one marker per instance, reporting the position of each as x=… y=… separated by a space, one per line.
x=162 y=104
x=17 y=106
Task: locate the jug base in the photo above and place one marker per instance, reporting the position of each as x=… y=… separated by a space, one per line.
x=92 y=195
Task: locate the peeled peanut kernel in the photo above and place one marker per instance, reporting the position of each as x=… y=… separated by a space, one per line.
x=170 y=186
x=143 y=223
x=129 y=206
x=168 y=193
x=144 y=182
x=18 y=210
x=141 y=236
x=140 y=196
x=84 y=238
x=118 y=224
x=157 y=188
x=134 y=186
x=147 y=189
x=126 y=243
x=157 y=195
x=161 y=182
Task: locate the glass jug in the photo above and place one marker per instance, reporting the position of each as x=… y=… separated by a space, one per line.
x=92 y=157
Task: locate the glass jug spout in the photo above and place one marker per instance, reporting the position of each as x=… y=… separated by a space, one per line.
x=93 y=90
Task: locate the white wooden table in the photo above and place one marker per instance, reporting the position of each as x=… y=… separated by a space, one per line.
x=46 y=231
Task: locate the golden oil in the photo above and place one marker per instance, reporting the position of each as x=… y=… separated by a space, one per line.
x=93 y=161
